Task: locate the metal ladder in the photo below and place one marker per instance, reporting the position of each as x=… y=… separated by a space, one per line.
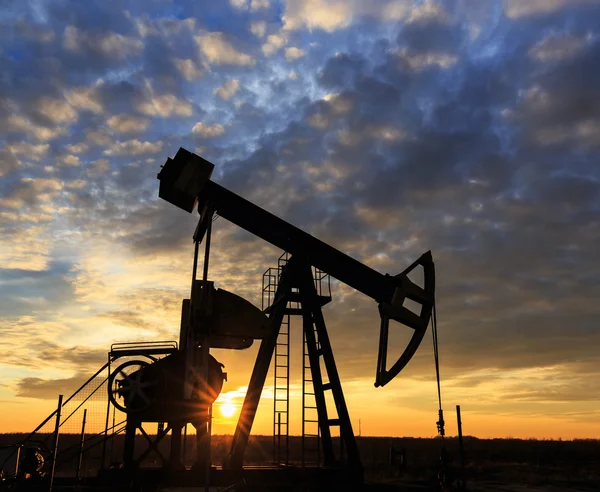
x=311 y=435
x=281 y=395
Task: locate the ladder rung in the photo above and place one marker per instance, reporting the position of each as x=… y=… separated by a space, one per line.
x=310 y=408
x=311 y=421
x=281 y=377
x=331 y=422
x=280 y=365
x=327 y=386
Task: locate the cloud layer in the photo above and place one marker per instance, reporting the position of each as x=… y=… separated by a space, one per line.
x=386 y=128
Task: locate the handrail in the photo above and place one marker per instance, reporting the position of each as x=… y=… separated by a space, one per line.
x=166 y=344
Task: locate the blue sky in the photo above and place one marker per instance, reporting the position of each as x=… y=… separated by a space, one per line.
x=385 y=127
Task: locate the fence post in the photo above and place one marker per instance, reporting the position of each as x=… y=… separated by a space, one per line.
x=461 y=448
x=55 y=444
x=81 y=441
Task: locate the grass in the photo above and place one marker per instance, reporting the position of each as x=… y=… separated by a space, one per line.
x=504 y=460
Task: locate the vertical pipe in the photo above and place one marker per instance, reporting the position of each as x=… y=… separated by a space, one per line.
x=107 y=416
x=175 y=445
x=207 y=245
x=183 y=452
x=205 y=345
x=112 y=441
x=195 y=265
x=129 y=445
x=461 y=448
x=207 y=449
x=55 y=444
x=81 y=441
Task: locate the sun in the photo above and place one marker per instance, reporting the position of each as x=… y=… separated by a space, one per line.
x=227 y=409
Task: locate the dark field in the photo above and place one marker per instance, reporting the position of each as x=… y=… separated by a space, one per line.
x=491 y=464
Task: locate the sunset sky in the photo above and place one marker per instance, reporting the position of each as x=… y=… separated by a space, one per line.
x=384 y=127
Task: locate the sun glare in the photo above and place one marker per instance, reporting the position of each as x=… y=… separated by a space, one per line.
x=227 y=409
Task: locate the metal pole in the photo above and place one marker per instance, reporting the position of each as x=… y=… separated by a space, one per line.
x=278 y=437
x=184 y=444
x=55 y=445
x=461 y=448
x=205 y=345
x=207 y=451
x=81 y=442
x=102 y=459
x=112 y=441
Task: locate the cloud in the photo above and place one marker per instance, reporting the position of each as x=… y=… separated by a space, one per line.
x=228 y=89
x=125 y=318
x=98 y=168
x=331 y=15
x=57 y=111
x=47 y=389
x=218 y=50
x=108 y=44
x=274 y=43
x=133 y=147
x=258 y=28
x=517 y=9
x=85 y=98
x=259 y=4
x=208 y=130
x=165 y=26
x=294 y=53
x=328 y=16
x=164 y=105
x=8 y=162
x=126 y=123
x=77 y=148
x=409 y=127
x=29 y=151
x=252 y=5
x=98 y=138
x=69 y=160
x=16 y=122
x=556 y=48
x=187 y=67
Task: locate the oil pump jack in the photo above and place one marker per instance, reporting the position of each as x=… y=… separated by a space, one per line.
x=215 y=318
